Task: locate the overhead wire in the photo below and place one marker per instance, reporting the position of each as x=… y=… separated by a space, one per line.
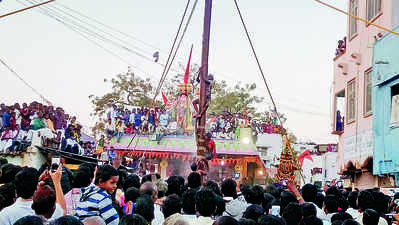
x=263 y=75
x=24 y=81
x=171 y=50
x=131 y=37
x=82 y=33
x=257 y=62
x=97 y=28
x=86 y=33
x=178 y=45
x=107 y=26
x=48 y=11
x=91 y=32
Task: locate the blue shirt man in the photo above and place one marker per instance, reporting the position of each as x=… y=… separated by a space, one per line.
x=137 y=119
x=6 y=119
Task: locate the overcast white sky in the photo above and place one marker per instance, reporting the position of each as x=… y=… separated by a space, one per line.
x=295 y=41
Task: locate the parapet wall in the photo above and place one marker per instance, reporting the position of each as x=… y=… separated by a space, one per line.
x=32 y=158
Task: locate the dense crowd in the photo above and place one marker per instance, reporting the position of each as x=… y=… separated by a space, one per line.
x=227 y=125
x=36 y=122
x=110 y=195
x=124 y=121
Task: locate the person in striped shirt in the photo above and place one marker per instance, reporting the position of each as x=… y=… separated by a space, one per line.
x=96 y=199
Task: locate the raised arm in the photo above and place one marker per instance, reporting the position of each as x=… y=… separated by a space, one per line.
x=56 y=177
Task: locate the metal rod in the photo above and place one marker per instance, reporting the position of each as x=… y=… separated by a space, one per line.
x=21 y=10
x=358 y=18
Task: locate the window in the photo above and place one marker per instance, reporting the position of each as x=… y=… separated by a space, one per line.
x=351 y=101
x=340 y=111
x=367 y=93
x=395 y=104
x=353 y=7
x=373 y=9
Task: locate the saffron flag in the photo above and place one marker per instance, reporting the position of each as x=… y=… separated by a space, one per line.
x=165 y=99
x=305 y=155
x=188 y=67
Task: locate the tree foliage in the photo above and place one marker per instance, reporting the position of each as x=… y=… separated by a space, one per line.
x=128 y=89
x=234 y=99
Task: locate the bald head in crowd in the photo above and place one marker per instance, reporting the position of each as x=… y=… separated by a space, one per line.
x=150 y=189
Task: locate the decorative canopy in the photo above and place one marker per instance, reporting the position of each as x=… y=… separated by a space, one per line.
x=181 y=145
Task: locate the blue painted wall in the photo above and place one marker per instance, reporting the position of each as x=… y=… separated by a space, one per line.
x=384 y=76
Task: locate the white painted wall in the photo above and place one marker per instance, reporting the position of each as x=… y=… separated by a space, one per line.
x=273 y=143
x=326 y=161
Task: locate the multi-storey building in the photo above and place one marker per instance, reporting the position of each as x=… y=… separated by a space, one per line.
x=386 y=105
x=352 y=111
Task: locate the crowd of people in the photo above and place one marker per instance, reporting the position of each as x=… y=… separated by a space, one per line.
x=227 y=125
x=42 y=124
x=110 y=195
x=124 y=121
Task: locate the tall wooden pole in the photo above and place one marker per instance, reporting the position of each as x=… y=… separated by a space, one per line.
x=200 y=132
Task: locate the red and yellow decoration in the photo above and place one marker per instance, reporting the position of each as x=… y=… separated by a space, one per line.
x=288 y=162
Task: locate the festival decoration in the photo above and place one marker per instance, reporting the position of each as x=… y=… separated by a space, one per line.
x=288 y=162
x=164 y=163
x=238 y=166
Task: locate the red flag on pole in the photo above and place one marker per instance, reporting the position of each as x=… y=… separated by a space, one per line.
x=165 y=99
x=188 y=67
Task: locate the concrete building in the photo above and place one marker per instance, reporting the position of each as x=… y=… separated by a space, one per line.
x=322 y=169
x=269 y=147
x=386 y=105
x=352 y=109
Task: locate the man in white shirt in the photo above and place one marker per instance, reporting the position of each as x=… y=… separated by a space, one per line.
x=205 y=203
x=365 y=200
x=235 y=207
x=188 y=200
x=109 y=128
x=309 y=193
x=149 y=188
x=352 y=210
x=163 y=119
x=25 y=184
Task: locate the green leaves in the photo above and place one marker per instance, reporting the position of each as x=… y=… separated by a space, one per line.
x=234 y=99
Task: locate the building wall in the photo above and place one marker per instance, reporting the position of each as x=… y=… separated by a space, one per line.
x=327 y=162
x=307 y=167
x=331 y=167
x=395 y=13
x=355 y=143
x=273 y=143
x=386 y=138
